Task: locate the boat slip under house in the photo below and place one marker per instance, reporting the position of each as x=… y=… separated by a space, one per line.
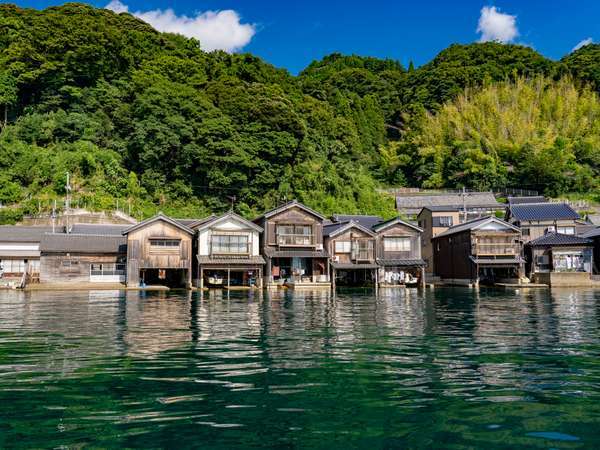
x=294 y=246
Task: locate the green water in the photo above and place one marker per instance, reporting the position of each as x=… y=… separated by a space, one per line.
x=450 y=368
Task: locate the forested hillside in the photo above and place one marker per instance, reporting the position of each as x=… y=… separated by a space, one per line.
x=150 y=119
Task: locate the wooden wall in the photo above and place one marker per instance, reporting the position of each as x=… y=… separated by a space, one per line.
x=451 y=256
x=400 y=230
x=141 y=255
x=52 y=269
x=292 y=216
x=348 y=236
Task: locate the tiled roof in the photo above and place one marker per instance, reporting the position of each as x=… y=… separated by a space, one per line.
x=334 y=228
x=99 y=228
x=353 y=266
x=365 y=221
x=207 y=260
x=82 y=243
x=497 y=261
x=297 y=253
x=288 y=205
x=543 y=211
x=474 y=224
x=213 y=220
x=551 y=239
x=401 y=262
x=393 y=221
x=524 y=200
x=159 y=216
x=592 y=233
x=18 y=233
x=471 y=200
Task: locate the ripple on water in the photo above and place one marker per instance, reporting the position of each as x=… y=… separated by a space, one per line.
x=450 y=367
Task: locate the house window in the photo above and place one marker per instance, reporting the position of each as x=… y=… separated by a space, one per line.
x=164 y=242
x=445 y=221
x=70 y=263
x=13 y=265
x=566 y=230
x=294 y=234
x=107 y=269
x=342 y=246
x=525 y=231
x=396 y=244
x=551 y=229
x=229 y=244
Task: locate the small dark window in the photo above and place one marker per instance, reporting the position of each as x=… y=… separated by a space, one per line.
x=525 y=231
x=446 y=221
x=164 y=242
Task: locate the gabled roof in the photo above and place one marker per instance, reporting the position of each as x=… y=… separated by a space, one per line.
x=474 y=225
x=230 y=215
x=365 y=220
x=159 y=216
x=99 y=228
x=340 y=227
x=524 y=200
x=18 y=233
x=288 y=205
x=82 y=243
x=470 y=199
x=193 y=223
x=391 y=222
x=551 y=239
x=543 y=211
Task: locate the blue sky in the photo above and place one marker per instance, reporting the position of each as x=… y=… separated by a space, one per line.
x=291 y=33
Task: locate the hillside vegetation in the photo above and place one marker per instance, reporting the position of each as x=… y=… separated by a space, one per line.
x=150 y=119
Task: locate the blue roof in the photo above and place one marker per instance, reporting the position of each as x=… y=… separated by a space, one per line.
x=543 y=211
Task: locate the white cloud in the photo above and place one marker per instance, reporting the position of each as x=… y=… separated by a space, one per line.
x=583 y=43
x=216 y=30
x=496 y=26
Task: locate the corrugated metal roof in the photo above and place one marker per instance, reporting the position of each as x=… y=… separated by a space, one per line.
x=470 y=199
x=474 y=224
x=82 y=243
x=296 y=253
x=365 y=220
x=106 y=229
x=551 y=239
x=401 y=262
x=18 y=233
x=543 y=211
x=207 y=260
x=525 y=200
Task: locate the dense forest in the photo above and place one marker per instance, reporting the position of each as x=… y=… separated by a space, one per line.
x=151 y=120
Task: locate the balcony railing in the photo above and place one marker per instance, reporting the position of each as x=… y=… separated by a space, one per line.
x=507 y=249
x=286 y=239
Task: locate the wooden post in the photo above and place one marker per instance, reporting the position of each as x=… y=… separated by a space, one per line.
x=228 y=277
x=201 y=278
x=333 y=277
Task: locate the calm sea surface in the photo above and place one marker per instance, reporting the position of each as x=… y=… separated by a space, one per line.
x=450 y=368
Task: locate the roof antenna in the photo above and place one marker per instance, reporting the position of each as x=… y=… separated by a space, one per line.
x=233 y=199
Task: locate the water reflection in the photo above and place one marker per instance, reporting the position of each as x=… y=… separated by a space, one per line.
x=307 y=363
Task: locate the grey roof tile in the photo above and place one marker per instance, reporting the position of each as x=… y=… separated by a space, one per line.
x=551 y=239
x=525 y=200
x=365 y=220
x=543 y=211
x=18 y=233
x=82 y=243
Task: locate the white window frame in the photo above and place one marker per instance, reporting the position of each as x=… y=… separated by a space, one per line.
x=343 y=247
x=396 y=244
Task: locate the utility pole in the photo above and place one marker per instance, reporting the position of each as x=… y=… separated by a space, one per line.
x=67 y=203
x=464 y=199
x=233 y=199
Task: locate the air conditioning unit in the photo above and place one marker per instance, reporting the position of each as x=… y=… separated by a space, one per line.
x=335 y=258
x=319 y=246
